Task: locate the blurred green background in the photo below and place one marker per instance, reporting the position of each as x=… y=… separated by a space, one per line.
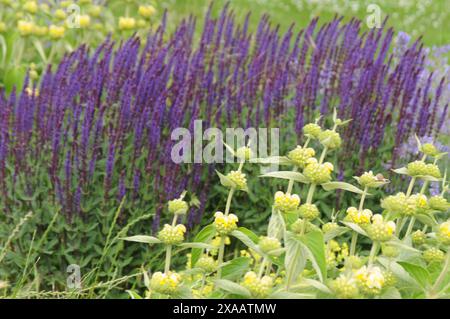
x=430 y=18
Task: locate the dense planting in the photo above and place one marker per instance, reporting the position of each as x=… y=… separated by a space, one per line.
x=298 y=257
x=86 y=144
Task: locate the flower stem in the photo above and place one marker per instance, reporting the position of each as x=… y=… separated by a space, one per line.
x=220 y=257
x=353 y=244
x=168 y=258
x=228 y=205
x=410 y=226
x=309 y=198
x=373 y=252
x=291 y=182
x=261 y=268
x=442 y=275
x=410 y=186
x=363 y=197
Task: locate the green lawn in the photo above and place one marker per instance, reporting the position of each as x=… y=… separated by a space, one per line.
x=430 y=18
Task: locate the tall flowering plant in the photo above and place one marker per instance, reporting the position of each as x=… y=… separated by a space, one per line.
x=305 y=251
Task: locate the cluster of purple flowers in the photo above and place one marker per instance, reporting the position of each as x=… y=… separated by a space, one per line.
x=102 y=120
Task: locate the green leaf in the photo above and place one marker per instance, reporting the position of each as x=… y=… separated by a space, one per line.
x=426 y=219
x=296 y=176
x=291 y=295
x=356 y=228
x=195 y=245
x=417 y=272
x=295 y=259
x=133 y=294
x=280 y=160
x=342 y=185
x=142 y=239
x=391 y=293
x=203 y=236
x=232 y=287
x=276 y=225
x=235 y=268
x=250 y=234
x=335 y=233
x=247 y=241
x=316 y=246
x=399 y=271
x=401 y=170
x=225 y=181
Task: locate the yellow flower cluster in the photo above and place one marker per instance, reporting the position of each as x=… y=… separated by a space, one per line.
x=206 y=263
x=258 y=287
x=336 y=253
x=127 y=23
x=178 y=206
x=165 y=283
x=312 y=130
x=225 y=224
x=443 y=233
x=268 y=244
x=244 y=153
x=146 y=11
x=286 y=202
x=172 y=235
x=330 y=139
x=433 y=255
x=370 y=279
x=318 y=173
x=238 y=178
x=345 y=287
x=56 y=32
x=380 y=230
x=358 y=217
x=299 y=156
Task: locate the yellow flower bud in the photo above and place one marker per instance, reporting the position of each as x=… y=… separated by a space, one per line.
x=55 y=32
x=126 y=23
x=146 y=11
x=25 y=28
x=30 y=7
x=84 y=20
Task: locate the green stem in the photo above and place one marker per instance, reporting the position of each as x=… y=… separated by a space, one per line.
x=410 y=186
x=410 y=226
x=291 y=182
x=442 y=275
x=261 y=268
x=353 y=244
x=307 y=142
x=220 y=257
x=168 y=258
x=228 y=205
x=310 y=195
x=363 y=197
x=373 y=252
x=322 y=156
x=400 y=224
